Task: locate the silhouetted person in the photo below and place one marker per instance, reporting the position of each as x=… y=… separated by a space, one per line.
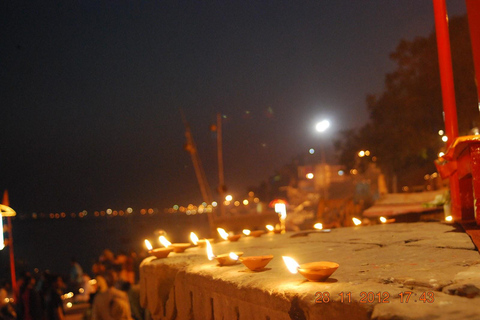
x=112 y=304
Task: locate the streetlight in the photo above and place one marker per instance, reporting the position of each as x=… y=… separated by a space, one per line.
x=321 y=127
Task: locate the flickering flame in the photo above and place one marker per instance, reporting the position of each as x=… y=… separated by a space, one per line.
x=164 y=241
x=383 y=219
x=233 y=256
x=222 y=233
x=318 y=226
x=291 y=264
x=210 y=254
x=281 y=209
x=357 y=221
x=246 y=232
x=269 y=227
x=148 y=244
x=449 y=218
x=194 y=238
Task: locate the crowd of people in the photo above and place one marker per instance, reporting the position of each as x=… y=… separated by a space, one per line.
x=111 y=293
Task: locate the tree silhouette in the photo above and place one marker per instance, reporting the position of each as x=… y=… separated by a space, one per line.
x=402 y=132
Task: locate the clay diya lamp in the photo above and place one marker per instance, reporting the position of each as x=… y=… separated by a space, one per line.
x=160 y=253
x=256 y=263
x=228 y=259
x=318 y=271
x=233 y=238
x=180 y=247
x=257 y=233
x=313 y=271
x=226 y=236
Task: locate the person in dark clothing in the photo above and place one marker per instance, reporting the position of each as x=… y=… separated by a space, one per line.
x=53 y=298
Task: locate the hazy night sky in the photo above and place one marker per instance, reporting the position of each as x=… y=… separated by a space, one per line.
x=91 y=90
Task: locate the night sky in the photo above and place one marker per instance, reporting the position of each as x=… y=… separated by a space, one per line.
x=91 y=91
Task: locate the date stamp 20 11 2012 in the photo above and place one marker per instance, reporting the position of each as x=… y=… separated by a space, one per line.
x=376 y=297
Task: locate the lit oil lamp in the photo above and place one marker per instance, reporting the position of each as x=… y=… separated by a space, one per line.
x=257 y=233
x=246 y=232
x=356 y=221
x=318 y=226
x=313 y=271
x=230 y=237
x=385 y=220
x=177 y=247
x=198 y=242
x=270 y=228
x=158 y=252
x=226 y=259
x=256 y=263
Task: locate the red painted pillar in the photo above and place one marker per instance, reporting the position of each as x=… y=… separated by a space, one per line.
x=448 y=94
x=473 y=11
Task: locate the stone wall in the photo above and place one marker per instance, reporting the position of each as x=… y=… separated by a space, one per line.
x=385 y=259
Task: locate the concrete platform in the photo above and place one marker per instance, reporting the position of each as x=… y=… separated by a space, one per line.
x=395 y=271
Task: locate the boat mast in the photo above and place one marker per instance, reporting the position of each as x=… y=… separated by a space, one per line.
x=197 y=164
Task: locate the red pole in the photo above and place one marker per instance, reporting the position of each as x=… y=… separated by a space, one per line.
x=12 y=259
x=6 y=202
x=446 y=72
x=473 y=11
x=448 y=94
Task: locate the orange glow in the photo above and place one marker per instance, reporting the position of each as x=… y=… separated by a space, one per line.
x=309 y=176
x=194 y=238
x=449 y=218
x=318 y=226
x=356 y=221
x=210 y=254
x=291 y=264
x=148 y=244
x=164 y=241
x=269 y=227
x=383 y=219
x=233 y=256
x=246 y=232
x=222 y=233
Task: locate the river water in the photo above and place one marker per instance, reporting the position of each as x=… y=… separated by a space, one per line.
x=49 y=244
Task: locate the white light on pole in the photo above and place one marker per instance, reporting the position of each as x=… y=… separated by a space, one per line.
x=322 y=125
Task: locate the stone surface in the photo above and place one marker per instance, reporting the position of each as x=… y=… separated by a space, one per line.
x=394 y=271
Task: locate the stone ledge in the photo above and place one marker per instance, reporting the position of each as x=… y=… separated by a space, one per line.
x=385 y=259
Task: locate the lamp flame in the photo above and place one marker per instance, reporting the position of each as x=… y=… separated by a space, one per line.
x=291 y=264
x=383 y=219
x=233 y=256
x=210 y=254
x=194 y=238
x=269 y=227
x=281 y=209
x=318 y=226
x=449 y=218
x=222 y=233
x=246 y=232
x=164 y=241
x=148 y=244
x=357 y=221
